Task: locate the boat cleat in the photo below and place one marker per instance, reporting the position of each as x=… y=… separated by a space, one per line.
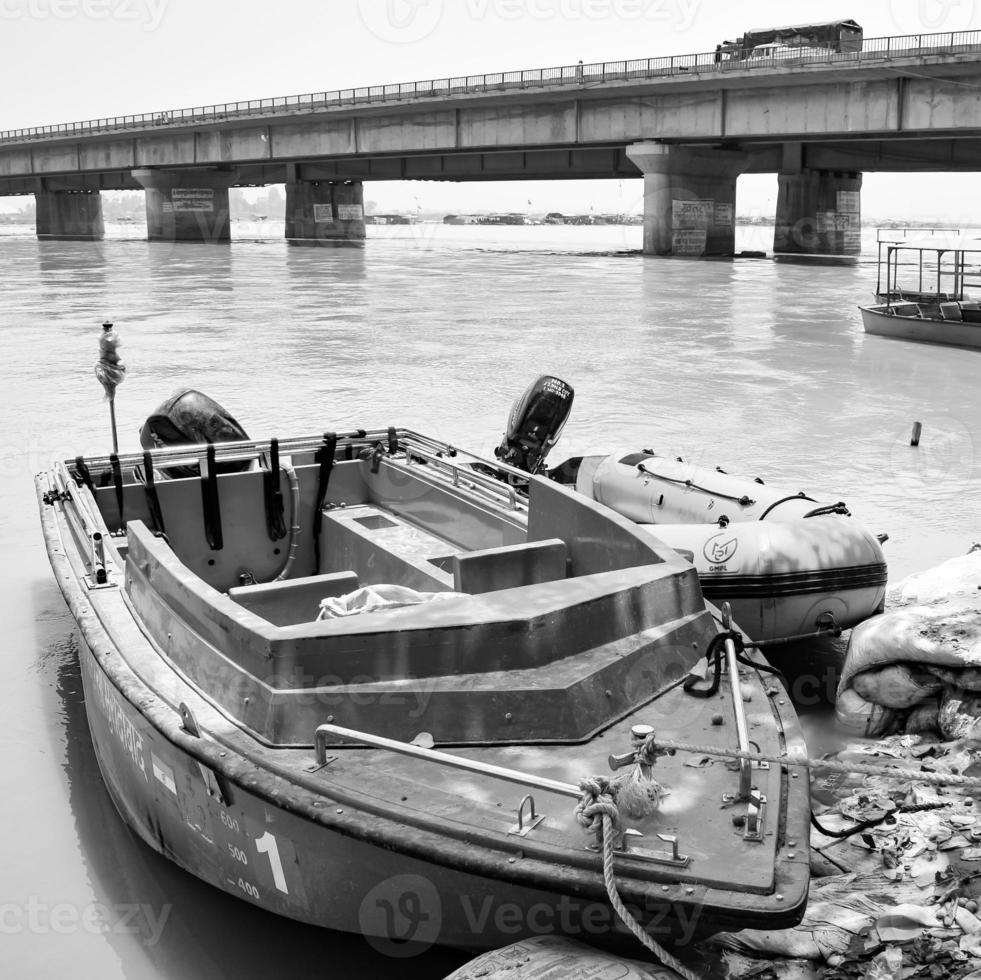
x=526 y=822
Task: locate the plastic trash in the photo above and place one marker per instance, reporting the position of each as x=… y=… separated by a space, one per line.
x=374 y=598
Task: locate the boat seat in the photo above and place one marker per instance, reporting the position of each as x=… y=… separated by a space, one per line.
x=970 y=316
x=950 y=311
x=903 y=309
x=510 y=567
x=384 y=548
x=293 y=601
x=930 y=311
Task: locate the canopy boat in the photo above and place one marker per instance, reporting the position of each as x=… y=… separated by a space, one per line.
x=355 y=681
x=787 y=564
x=930 y=305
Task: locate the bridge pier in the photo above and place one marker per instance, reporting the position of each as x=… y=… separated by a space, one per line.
x=818 y=213
x=186 y=205
x=69 y=215
x=323 y=212
x=689 y=198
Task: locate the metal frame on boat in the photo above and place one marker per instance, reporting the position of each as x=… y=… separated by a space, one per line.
x=291 y=760
x=937 y=310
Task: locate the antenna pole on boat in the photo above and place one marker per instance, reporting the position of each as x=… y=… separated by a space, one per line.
x=110 y=371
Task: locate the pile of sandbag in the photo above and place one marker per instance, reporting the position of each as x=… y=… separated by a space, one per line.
x=544 y=957
x=917 y=667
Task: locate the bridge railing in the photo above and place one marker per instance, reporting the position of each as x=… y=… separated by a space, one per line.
x=572 y=76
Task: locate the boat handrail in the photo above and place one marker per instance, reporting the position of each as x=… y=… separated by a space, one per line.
x=440 y=758
x=253 y=449
x=91 y=525
x=238 y=451
x=738 y=707
x=448 y=449
x=462 y=475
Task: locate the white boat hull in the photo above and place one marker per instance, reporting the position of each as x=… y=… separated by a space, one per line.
x=954 y=333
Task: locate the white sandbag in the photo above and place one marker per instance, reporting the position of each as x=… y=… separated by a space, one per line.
x=946 y=633
x=968 y=678
x=924 y=718
x=896 y=686
x=864 y=718
x=960 y=714
x=372 y=598
x=958 y=576
x=557 y=956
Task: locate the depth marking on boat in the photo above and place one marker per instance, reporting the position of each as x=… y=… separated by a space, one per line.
x=163 y=773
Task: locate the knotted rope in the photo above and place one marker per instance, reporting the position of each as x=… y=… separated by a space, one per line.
x=598 y=813
x=598 y=800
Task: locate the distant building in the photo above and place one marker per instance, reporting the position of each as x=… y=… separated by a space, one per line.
x=387 y=219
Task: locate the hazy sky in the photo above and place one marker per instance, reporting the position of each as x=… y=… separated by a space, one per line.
x=64 y=60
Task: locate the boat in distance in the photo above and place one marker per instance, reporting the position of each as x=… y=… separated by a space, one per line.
x=934 y=307
x=354 y=681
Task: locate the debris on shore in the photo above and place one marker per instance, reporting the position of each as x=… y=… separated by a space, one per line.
x=896 y=859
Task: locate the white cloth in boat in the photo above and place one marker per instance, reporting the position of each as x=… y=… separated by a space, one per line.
x=374 y=598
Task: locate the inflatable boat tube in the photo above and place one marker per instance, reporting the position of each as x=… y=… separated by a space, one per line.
x=781 y=560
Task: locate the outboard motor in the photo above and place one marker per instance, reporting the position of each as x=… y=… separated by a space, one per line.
x=188 y=419
x=535 y=424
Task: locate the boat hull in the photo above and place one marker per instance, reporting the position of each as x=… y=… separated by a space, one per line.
x=257 y=844
x=924 y=330
x=326 y=840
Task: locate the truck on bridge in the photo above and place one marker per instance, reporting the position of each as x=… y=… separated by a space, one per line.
x=833 y=37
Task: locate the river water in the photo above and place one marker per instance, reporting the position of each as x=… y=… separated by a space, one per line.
x=759 y=367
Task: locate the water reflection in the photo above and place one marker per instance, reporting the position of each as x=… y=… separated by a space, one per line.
x=75 y=266
x=192 y=268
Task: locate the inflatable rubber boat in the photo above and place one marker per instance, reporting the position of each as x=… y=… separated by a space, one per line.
x=786 y=563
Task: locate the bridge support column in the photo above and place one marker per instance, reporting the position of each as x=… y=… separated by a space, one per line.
x=324 y=212
x=66 y=215
x=818 y=216
x=689 y=198
x=186 y=205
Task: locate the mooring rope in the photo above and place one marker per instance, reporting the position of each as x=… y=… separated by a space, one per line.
x=609 y=834
x=826 y=765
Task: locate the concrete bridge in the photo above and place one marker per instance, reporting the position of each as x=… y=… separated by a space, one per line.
x=689 y=124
